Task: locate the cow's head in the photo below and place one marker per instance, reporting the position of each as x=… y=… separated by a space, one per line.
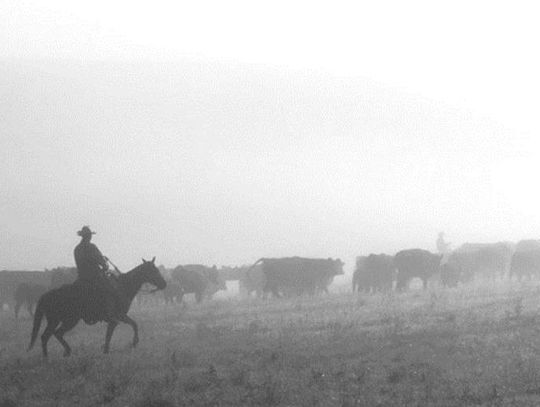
x=337 y=266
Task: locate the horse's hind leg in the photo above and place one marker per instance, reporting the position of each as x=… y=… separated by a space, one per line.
x=133 y=325
x=59 y=334
x=49 y=331
x=110 y=329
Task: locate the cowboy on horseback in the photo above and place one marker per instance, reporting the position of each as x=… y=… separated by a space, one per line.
x=101 y=296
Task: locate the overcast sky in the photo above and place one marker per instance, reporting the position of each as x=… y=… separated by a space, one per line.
x=221 y=132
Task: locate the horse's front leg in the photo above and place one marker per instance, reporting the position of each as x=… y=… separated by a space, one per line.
x=133 y=325
x=110 y=329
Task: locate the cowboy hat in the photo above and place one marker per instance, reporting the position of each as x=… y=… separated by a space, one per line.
x=85 y=231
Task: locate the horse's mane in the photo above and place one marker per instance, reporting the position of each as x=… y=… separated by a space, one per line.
x=131 y=272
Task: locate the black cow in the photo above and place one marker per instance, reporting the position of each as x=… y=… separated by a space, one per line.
x=294 y=276
x=197 y=279
x=62 y=275
x=486 y=260
x=375 y=272
x=451 y=274
x=526 y=260
x=415 y=263
x=525 y=264
x=360 y=278
x=235 y=273
x=10 y=280
x=252 y=280
x=460 y=267
x=28 y=293
x=528 y=245
x=173 y=292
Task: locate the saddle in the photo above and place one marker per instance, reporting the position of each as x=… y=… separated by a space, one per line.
x=99 y=299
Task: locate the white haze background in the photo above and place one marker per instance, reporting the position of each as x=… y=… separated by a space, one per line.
x=221 y=132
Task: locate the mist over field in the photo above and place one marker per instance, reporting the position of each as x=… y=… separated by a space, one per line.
x=205 y=133
x=309 y=203
x=222 y=163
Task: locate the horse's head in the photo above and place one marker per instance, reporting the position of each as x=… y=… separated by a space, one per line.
x=151 y=274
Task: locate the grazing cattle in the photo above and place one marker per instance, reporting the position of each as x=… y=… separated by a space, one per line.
x=173 y=292
x=232 y=273
x=252 y=281
x=460 y=266
x=27 y=293
x=61 y=276
x=360 y=276
x=525 y=261
x=294 y=276
x=525 y=264
x=375 y=272
x=451 y=275
x=199 y=280
x=9 y=281
x=484 y=260
x=527 y=245
x=63 y=307
x=415 y=263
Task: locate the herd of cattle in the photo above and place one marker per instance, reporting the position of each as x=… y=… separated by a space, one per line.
x=295 y=276
x=379 y=272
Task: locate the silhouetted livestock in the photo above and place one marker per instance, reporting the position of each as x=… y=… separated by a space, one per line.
x=173 y=293
x=202 y=281
x=9 y=281
x=527 y=245
x=486 y=260
x=293 y=276
x=63 y=307
x=525 y=264
x=414 y=263
x=236 y=273
x=252 y=281
x=27 y=293
x=360 y=276
x=62 y=275
x=375 y=272
x=460 y=267
x=451 y=275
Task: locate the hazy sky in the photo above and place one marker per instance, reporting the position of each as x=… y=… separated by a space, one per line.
x=222 y=132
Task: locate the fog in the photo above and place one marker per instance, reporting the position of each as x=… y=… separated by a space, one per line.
x=220 y=159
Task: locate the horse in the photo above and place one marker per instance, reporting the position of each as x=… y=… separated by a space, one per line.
x=63 y=307
x=29 y=294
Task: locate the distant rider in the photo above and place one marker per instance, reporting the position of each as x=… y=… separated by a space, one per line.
x=443 y=246
x=101 y=297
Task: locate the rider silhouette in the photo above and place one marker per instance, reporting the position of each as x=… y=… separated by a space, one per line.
x=100 y=297
x=442 y=246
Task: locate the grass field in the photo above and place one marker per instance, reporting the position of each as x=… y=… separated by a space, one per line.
x=472 y=346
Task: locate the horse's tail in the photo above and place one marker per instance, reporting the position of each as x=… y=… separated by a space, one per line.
x=38 y=316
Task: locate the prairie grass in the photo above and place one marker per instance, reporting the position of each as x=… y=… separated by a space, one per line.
x=476 y=345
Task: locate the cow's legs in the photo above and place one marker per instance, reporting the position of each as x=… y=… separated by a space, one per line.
x=49 y=331
x=425 y=283
x=17 y=308
x=110 y=329
x=30 y=308
x=401 y=284
x=59 y=334
x=133 y=325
